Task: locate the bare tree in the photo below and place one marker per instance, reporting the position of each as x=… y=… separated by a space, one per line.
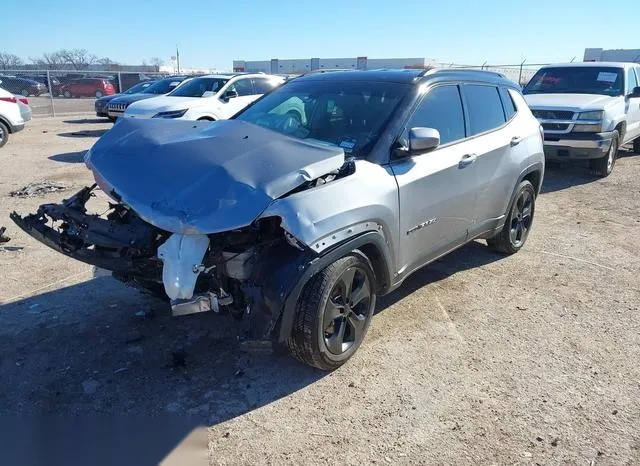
x=9 y=61
x=79 y=59
x=156 y=61
x=50 y=61
x=106 y=61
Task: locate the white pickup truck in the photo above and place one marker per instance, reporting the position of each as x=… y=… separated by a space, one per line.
x=587 y=110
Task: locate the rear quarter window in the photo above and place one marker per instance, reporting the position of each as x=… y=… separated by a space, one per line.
x=484 y=108
x=508 y=105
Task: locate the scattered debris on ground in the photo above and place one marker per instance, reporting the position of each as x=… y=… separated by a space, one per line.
x=4 y=238
x=39 y=188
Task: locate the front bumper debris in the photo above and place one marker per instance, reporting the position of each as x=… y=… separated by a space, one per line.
x=115 y=243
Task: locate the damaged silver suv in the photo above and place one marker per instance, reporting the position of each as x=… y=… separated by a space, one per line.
x=296 y=213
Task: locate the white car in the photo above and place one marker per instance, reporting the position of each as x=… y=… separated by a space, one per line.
x=213 y=97
x=11 y=114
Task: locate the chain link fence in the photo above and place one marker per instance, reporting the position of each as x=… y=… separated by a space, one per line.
x=520 y=73
x=69 y=92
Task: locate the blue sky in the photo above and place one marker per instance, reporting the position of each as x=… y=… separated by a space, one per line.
x=212 y=34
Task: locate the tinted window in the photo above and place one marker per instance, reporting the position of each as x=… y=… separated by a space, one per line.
x=441 y=109
x=576 y=80
x=163 y=86
x=633 y=81
x=263 y=85
x=198 y=86
x=507 y=103
x=351 y=115
x=242 y=87
x=138 y=88
x=483 y=107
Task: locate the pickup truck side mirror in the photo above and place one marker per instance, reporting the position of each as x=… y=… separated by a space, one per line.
x=230 y=95
x=635 y=93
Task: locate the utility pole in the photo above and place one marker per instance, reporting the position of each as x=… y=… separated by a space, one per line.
x=178 y=59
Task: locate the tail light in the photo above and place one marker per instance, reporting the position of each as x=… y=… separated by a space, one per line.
x=11 y=99
x=24 y=100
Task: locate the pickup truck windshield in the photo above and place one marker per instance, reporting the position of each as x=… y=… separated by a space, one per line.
x=577 y=80
x=348 y=114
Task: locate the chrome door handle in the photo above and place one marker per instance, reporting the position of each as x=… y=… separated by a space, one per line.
x=515 y=141
x=467 y=160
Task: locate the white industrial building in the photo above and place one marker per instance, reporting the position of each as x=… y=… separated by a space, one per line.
x=625 y=55
x=304 y=65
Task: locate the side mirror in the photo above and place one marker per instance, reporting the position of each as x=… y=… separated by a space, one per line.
x=635 y=93
x=230 y=95
x=423 y=140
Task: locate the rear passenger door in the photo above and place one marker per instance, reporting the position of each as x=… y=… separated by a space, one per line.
x=437 y=189
x=493 y=138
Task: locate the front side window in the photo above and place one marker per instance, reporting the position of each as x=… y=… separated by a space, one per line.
x=242 y=86
x=198 y=86
x=632 y=81
x=163 y=86
x=138 y=88
x=348 y=114
x=264 y=85
x=577 y=80
x=441 y=109
x=484 y=108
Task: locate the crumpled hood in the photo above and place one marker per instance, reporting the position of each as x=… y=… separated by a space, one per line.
x=575 y=102
x=201 y=177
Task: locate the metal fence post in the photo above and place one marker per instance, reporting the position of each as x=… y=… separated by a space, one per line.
x=120 y=90
x=53 y=106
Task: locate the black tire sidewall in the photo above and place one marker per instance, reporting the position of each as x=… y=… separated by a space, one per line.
x=5 y=134
x=318 y=335
x=523 y=186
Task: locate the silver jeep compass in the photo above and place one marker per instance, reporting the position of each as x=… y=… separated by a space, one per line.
x=323 y=194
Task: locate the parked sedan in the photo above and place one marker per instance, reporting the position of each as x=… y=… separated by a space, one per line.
x=22 y=86
x=162 y=86
x=101 y=104
x=86 y=87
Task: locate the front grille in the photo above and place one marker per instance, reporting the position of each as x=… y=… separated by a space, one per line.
x=553 y=114
x=555 y=127
x=118 y=107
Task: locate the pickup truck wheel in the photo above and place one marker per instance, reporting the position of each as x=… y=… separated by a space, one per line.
x=333 y=313
x=516 y=229
x=4 y=134
x=636 y=145
x=604 y=166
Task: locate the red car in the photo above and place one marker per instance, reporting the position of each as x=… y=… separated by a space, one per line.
x=85 y=87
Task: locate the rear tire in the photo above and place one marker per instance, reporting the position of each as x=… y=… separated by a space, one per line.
x=67 y=94
x=333 y=313
x=519 y=221
x=636 y=145
x=4 y=134
x=24 y=92
x=603 y=166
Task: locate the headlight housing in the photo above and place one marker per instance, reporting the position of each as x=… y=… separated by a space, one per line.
x=171 y=114
x=597 y=115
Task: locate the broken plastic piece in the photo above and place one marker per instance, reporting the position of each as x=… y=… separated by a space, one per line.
x=181 y=255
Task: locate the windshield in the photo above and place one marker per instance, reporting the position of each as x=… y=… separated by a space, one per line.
x=198 y=86
x=350 y=115
x=138 y=87
x=163 y=86
x=577 y=80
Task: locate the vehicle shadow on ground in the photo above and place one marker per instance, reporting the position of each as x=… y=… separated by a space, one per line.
x=69 y=157
x=87 y=121
x=563 y=175
x=87 y=133
x=101 y=347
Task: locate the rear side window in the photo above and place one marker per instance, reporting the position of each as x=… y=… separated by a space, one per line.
x=441 y=109
x=507 y=103
x=242 y=87
x=484 y=108
x=262 y=85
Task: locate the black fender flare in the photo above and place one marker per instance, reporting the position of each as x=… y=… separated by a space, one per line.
x=307 y=270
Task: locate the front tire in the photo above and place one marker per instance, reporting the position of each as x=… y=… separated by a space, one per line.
x=604 y=165
x=333 y=313
x=519 y=221
x=636 y=145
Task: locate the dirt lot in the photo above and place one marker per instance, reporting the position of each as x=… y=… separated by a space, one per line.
x=478 y=359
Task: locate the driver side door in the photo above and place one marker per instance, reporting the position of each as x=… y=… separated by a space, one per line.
x=244 y=88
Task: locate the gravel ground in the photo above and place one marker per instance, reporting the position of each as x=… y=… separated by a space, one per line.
x=476 y=359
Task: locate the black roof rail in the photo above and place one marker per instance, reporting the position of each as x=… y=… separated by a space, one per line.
x=465 y=69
